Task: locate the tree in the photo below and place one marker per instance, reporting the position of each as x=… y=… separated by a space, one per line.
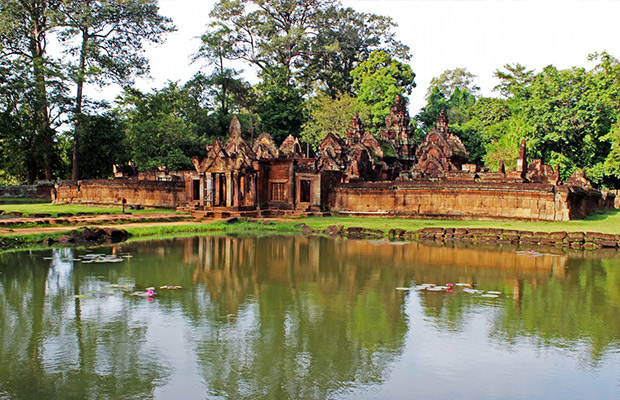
x=455 y=79
x=269 y=34
x=158 y=128
x=280 y=106
x=378 y=81
x=514 y=81
x=327 y=115
x=106 y=37
x=344 y=39
x=24 y=26
x=102 y=144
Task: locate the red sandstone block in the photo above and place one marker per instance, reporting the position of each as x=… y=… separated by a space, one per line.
x=606 y=243
x=591 y=236
x=575 y=236
x=432 y=230
x=558 y=235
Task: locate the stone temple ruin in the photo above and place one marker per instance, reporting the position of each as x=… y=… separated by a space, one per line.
x=356 y=174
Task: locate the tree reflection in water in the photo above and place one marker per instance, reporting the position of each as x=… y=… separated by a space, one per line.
x=276 y=317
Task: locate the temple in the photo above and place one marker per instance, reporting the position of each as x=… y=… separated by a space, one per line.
x=354 y=173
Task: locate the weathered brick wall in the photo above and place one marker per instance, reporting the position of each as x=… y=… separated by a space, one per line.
x=145 y=193
x=465 y=200
x=38 y=190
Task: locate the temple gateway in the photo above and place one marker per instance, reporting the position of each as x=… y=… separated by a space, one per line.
x=353 y=174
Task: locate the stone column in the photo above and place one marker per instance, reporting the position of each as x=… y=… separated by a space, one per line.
x=217 y=190
x=229 y=189
x=236 y=188
x=209 y=189
x=252 y=194
x=202 y=190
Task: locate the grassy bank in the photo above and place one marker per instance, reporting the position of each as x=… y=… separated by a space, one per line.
x=161 y=231
x=608 y=222
x=22 y=200
x=54 y=209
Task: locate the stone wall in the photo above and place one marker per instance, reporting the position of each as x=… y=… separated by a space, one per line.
x=165 y=194
x=465 y=200
x=38 y=190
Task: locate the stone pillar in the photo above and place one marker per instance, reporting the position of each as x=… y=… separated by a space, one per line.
x=217 y=190
x=228 y=189
x=202 y=190
x=252 y=195
x=209 y=189
x=236 y=189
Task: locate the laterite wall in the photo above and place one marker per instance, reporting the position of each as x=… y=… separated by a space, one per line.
x=460 y=200
x=165 y=194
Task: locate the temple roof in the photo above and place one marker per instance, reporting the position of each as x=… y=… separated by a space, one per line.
x=291 y=147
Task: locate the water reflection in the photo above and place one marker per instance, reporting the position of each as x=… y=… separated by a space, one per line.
x=294 y=317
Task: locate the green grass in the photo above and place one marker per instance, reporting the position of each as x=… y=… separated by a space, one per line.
x=22 y=200
x=219 y=226
x=158 y=232
x=608 y=222
x=54 y=209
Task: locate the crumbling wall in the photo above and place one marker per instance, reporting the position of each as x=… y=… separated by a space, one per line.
x=466 y=200
x=38 y=190
x=165 y=194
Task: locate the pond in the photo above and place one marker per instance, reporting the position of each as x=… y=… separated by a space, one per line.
x=291 y=317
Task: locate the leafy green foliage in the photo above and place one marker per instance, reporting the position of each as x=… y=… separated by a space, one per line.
x=299 y=48
x=568 y=118
x=106 y=39
x=451 y=80
x=24 y=26
x=378 y=81
x=101 y=146
x=327 y=115
x=161 y=128
x=280 y=106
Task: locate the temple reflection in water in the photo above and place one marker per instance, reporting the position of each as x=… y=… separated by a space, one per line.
x=293 y=316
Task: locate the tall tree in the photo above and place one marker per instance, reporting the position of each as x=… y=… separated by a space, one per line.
x=451 y=80
x=159 y=127
x=267 y=33
x=327 y=115
x=378 y=81
x=344 y=39
x=107 y=38
x=280 y=106
x=24 y=26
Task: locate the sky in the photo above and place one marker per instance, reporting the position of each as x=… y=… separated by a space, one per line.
x=481 y=36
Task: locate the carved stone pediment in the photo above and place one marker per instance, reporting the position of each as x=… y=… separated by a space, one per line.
x=332 y=144
x=359 y=165
x=372 y=143
x=355 y=131
x=441 y=150
x=236 y=147
x=291 y=148
x=265 y=147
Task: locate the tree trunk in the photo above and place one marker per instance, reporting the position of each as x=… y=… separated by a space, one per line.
x=42 y=131
x=75 y=171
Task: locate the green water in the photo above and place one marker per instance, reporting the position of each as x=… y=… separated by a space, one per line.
x=308 y=318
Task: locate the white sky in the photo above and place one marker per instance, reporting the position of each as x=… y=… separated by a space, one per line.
x=481 y=36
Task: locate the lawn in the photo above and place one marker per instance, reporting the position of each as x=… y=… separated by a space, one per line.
x=608 y=222
x=54 y=209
